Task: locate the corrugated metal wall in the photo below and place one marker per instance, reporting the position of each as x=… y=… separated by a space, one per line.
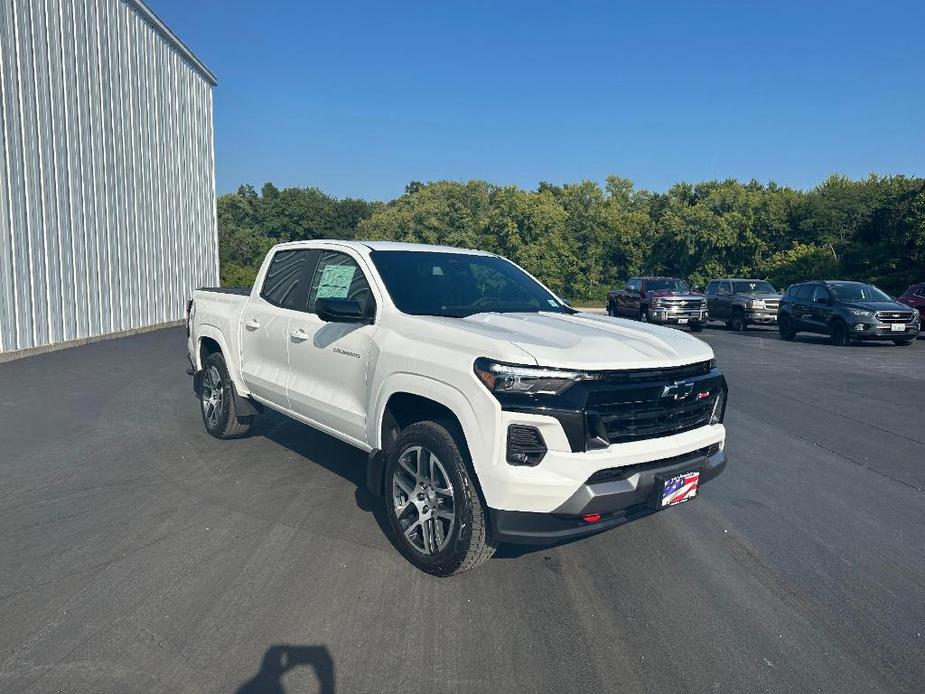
x=107 y=192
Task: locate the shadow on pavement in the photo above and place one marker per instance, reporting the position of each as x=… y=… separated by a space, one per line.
x=280 y=659
x=328 y=452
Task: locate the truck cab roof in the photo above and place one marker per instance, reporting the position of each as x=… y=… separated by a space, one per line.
x=366 y=246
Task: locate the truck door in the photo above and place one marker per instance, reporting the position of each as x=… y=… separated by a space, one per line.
x=622 y=295
x=330 y=363
x=723 y=302
x=265 y=325
x=633 y=298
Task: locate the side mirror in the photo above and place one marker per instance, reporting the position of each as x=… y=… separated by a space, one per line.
x=337 y=310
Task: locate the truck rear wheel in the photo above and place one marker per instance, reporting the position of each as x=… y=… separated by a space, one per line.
x=216 y=397
x=436 y=517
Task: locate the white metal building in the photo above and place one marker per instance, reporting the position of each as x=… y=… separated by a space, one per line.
x=107 y=187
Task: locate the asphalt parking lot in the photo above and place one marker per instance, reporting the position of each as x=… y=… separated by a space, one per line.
x=137 y=554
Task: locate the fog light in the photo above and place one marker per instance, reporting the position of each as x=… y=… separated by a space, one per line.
x=525 y=445
x=860 y=327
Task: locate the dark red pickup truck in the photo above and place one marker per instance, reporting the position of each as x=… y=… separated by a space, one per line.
x=659 y=300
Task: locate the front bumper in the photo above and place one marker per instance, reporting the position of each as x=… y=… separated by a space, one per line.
x=882 y=331
x=761 y=317
x=618 y=500
x=674 y=317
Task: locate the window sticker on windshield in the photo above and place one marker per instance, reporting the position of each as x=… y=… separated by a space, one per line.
x=335 y=281
x=553 y=303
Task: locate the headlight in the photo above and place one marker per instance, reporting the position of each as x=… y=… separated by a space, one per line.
x=860 y=313
x=530 y=380
x=657 y=301
x=757 y=303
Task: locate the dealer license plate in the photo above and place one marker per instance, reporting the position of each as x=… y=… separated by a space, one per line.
x=898 y=327
x=678 y=489
x=682 y=321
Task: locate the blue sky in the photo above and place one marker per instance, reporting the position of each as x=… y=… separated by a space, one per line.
x=360 y=98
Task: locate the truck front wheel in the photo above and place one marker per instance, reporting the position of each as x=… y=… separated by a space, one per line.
x=436 y=516
x=216 y=396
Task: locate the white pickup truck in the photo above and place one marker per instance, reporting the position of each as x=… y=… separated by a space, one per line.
x=491 y=410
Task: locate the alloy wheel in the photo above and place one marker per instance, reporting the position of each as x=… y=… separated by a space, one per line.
x=422 y=500
x=212 y=395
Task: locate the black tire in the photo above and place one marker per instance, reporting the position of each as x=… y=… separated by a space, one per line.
x=785 y=329
x=838 y=333
x=220 y=420
x=644 y=313
x=737 y=323
x=697 y=327
x=611 y=310
x=468 y=541
x=903 y=343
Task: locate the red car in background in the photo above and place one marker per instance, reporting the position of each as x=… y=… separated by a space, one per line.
x=914 y=296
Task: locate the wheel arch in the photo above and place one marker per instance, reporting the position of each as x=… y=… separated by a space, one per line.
x=209 y=340
x=412 y=398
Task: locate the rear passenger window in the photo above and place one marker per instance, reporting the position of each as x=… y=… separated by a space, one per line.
x=281 y=285
x=339 y=276
x=820 y=293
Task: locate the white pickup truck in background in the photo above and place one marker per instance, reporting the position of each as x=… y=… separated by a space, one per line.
x=491 y=410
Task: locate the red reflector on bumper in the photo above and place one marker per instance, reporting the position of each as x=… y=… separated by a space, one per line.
x=591 y=518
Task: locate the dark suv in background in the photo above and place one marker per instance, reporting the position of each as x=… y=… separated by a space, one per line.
x=846 y=312
x=740 y=303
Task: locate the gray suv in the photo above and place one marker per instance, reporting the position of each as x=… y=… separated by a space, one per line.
x=740 y=302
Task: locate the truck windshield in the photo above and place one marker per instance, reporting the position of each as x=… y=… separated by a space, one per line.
x=423 y=283
x=754 y=287
x=669 y=284
x=855 y=291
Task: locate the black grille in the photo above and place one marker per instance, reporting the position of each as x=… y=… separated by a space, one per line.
x=632 y=421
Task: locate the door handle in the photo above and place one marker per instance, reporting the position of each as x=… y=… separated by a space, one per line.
x=299 y=335
x=252 y=324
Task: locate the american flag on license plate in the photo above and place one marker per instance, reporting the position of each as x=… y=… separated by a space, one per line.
x=680 y=488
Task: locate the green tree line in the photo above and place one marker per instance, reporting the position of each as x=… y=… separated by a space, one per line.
x=582 y=239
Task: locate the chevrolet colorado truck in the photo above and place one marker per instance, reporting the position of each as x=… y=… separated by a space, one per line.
x=490 y=410
x=667 y=300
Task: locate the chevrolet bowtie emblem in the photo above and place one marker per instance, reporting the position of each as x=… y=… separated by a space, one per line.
x=679 y=390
